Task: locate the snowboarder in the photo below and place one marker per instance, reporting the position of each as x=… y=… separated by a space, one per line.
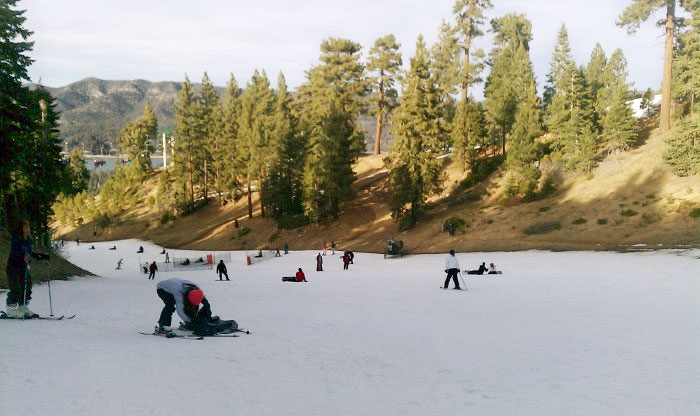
x=451 y=268
x=18 y=279
x=319 y=263
x=186 y=262
x=480 y=270
x=91 y=247
x=346 y=261
x=153 y=268
x=184 y=297
x=140 y=249
x=221 y=269
x=492 y=269
x=119 y=264
x=113 y=248
x=301 y=277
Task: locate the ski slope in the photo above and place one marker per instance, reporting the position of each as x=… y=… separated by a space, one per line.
x=571 y=333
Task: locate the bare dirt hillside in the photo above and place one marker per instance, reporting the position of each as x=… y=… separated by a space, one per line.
x=630 y=199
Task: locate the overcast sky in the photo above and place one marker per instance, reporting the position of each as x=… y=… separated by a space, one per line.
x=162 y=40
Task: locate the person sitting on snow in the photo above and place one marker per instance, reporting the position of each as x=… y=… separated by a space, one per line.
x=186 y=262
x=163 y=252
x=113 y=248
x=140 y=249
x=91 y=247
x=492 y=269
x=184 y=297
x=301 y=277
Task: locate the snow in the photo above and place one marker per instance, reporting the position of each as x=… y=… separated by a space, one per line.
x=637 y=109
x=566 y=333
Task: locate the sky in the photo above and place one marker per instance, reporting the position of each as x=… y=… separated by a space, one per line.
x=162 y=40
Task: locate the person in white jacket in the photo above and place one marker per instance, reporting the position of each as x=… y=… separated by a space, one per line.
x=451 y=268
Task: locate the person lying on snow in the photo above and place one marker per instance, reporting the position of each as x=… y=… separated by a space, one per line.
x=481 y=269
x=186 y=297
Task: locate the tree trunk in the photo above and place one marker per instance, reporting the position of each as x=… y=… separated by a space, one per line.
x=467 y=46
x=665 y=114
x=378 y=133
x=250 y=199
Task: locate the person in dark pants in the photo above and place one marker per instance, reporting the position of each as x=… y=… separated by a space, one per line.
x=346 y=261
x=451 y=268
x=19 y=281
x=480 y=270
x=319 y=263
x=153 y=269
x=221 y=269
x=184 y=297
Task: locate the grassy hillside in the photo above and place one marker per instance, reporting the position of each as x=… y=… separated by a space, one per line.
x=631 y=198
x=59 y=267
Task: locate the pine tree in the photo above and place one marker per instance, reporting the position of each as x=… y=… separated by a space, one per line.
x=207 y=116
x=137 y=138
x=385 y=60
x=77 y=174
x=524 y=150
x=620 y=128
x=632 y=17
x=511 y=74
x=561 y=60
x=281 y=191
x=414 y=171
x=467 y=133
x=186 y=143
x=253 y=141
x=230 y=162
x=683 y=147
x=595 y=78
x=329 y=104
x=686 y=77
x=470 y=15
x=444 y=68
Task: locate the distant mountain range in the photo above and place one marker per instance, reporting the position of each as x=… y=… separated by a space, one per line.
x=93 y=111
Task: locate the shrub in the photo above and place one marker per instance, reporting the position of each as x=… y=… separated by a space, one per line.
x=542 y=227
x=454 y=224
x=165 y=217
x=243 y=231
x=695 y=213
x=150 y=201
x=602 y=221
x=103 y=220
x=649 y=218
x=651 y=196
x=291 y=222
x=628 y=213
x=578 y=221
x=274 y=237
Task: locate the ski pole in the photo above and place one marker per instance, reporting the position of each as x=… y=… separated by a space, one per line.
x=24 y=296
x=461 y=277
x=48 y=280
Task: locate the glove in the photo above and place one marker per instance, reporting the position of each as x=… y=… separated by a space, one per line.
x=447 y=271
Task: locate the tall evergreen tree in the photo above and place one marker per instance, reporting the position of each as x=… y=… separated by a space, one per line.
x=467 y=132
x=620 y=127
x=207 y=116
x=186 y=158
x=444 y=68
x=281 y=191
x=137 y=138
x=683 y=147
x=686 y=77
x=414 y=171
x=561 y=60
x=470 y=15
x=595 y=78
x=385 y=60
x=229 y=161
x=77 y=175
x=633 y=16
x=524 y=151
x=329 y=104
x=511 y=74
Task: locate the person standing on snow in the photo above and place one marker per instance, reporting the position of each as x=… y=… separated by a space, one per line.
x=221 y=269
x=346 y=261
x=153 y=269
x=184 y=297
x=18 y=279
x=451 y=268
x=319 y=263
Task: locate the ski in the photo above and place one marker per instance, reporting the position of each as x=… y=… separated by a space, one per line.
x=3 y=315
x=460 y=289
x=172 y=335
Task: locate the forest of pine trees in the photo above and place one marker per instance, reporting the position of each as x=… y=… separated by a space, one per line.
x=296 y=149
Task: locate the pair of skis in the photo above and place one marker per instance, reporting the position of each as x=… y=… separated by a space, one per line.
x=4 y=315
x=231 y=334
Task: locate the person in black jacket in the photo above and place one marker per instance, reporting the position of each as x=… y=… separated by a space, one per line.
x=481 y=269
x=18 y=279
x=221 y=269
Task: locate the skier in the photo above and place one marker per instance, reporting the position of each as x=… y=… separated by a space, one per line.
x=153 y=269
x=18 y=279
x=167 y=258
x=286 y=248
x=140 y=249
x=319 y=263
x=221 y=269
x=301 y=277
x=119 y=264
x=333 y=248
x=346 y=261
x=451 y=268
x=184 y=297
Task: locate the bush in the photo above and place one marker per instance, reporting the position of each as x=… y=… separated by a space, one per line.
x=165 y=217
x=628 y=213
x=274 y=237
x=695 y=213
x=578 y=221
x=602 y=221
x=103 y=220
x=291 y=222
x=243 y=231
x=649 y=218
x=542 y=227
x=454 y=225
x=150 y=201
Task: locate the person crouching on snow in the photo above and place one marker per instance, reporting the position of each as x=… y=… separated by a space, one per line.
x=184 y=297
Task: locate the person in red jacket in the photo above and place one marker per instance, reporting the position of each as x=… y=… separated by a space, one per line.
x=346 y=261
x=300 y=276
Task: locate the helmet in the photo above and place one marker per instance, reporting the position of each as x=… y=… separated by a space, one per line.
x=195 y=296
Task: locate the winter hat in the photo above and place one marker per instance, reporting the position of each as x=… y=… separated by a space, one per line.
x=195 y=296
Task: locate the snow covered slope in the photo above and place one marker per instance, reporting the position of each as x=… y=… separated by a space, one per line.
x=557 y=334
